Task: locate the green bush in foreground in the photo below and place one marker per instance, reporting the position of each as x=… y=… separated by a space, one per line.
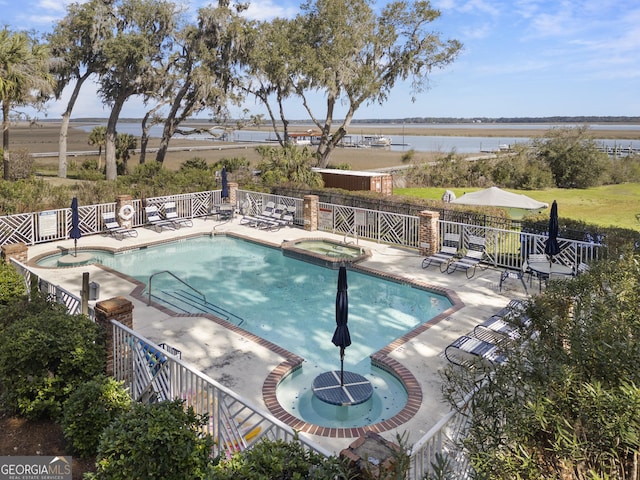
x=90 y=409
x=278 y=459
x=44 y=356
x=11 y=284
x=161 y=440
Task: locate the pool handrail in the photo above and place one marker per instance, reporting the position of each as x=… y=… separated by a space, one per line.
x=204 y=298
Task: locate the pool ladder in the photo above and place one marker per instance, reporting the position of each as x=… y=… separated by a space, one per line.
x=189 y=299
x=204 y=299
x=355 y=236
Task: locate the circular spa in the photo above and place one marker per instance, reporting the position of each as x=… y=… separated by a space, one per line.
x=72 y=258
x=290 y=304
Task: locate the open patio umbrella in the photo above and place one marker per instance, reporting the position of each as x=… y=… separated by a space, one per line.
x=552 y=247
x=75 y=224
x=225 y=187
x=341 y=337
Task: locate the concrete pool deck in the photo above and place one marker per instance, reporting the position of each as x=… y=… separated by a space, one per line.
x=242 y=364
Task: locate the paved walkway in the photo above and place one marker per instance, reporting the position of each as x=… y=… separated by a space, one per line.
x=238 y=362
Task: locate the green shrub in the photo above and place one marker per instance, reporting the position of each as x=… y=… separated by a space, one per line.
x=89 y=410
x=160 y=440
x=197 y=163
x=279 y=459
x=44 y=356
x=11 y=284
x=20 y=164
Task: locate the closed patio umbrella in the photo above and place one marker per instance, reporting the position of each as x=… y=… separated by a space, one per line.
x=75 y=224
x=341 y=337
x=552 y=247
x=225 y=186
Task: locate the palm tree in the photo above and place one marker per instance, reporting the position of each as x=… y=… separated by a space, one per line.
x=98 y=138
x=25 y=78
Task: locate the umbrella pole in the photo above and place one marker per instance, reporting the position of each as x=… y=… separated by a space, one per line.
x=75 y=243
x=342 y=366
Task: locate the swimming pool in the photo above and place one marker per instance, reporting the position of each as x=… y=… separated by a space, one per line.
x=292 y=304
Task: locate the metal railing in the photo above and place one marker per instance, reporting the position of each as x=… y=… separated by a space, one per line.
x=506 y=248
x=56 y=293
x=151 y=374
x=177 y=278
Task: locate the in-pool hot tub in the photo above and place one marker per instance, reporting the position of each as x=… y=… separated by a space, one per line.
x=325 y=252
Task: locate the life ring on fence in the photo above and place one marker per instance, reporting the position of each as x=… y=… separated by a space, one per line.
x=126 y=212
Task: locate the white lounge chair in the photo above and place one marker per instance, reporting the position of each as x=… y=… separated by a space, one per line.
x=448 y=251
x=157 y=222
x=113 y=227
x=171 y=214
x=467 y=351
x=471 y=259
x=508 y=323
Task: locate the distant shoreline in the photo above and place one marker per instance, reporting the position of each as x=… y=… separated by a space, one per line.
x=499 y=130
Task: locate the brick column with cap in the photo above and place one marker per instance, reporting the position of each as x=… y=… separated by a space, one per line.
x=310 y=212
x=429 y=232
x=121 y=201
x=17 y=251
x=117 y=308
x=233 y=192
x=373 y=457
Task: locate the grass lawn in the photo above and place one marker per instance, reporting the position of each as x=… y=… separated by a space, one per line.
x=608 y=205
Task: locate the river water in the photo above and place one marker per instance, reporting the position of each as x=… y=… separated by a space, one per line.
x=420 y=143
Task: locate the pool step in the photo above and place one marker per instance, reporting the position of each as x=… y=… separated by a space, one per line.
x=187 y=302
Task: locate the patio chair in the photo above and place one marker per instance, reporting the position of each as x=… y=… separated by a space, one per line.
x=471 y=259
x=449 y=250
x=171 y=214
x=468 y=351
x=515 y=274
x=535 y=258
x=157 y=222
x=114 y=229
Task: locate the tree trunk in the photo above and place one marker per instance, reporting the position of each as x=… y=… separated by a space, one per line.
x=64 y=128
x=110 y=139
x=62 y=144
x=5 y=138
x=162 y=149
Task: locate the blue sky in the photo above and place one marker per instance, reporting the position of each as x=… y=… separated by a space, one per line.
x=521 y=58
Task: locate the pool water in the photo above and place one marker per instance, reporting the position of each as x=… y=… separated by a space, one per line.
x=292 y=303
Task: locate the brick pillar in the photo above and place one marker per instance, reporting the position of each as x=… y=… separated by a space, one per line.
x=373 y=457
x=17 y=251
x=121 y=201
x=310 y=212
x=429 y=238
x=117 y=308
x=233 y=192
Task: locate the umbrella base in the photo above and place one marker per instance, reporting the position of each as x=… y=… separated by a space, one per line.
x=355 y=390
x=71 y=260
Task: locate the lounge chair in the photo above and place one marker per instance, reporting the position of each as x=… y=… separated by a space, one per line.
x=171 y=214
x=113 y=227
x=506 y=324
x=157 y=222
x=271 y=218
x=449 y=250
x=287 y=217
x=467 y=351
x=471 y=259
